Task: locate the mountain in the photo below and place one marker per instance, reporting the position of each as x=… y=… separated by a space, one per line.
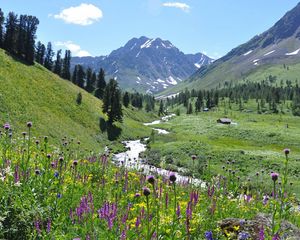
x=146 y=64
x=32 y=93
x=276 y=49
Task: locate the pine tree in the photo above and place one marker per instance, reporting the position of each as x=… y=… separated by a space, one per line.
x=40 y=53
x=112 y=102
x=58 y=63
x=161 y=108
x=190 y=109
x=66 y=74
x=10 y=38
x=21 y=36
x=31 y=28
x=100 y=85
x=80 y=76
x=1 y=28
x=48 y=62
x=126 y=99
x=89 y=85
x=74 y=75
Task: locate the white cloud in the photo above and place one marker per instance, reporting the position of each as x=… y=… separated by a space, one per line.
x=183 y=6
x=84 y=14
x=74 y=48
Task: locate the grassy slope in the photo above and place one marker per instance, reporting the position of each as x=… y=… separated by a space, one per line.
x=32 y=93
x=255 y=143
x=222 y=73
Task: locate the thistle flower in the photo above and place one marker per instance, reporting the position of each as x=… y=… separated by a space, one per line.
x=61 y=159
x=75 y=163
x=172 y=177
x=274 y=176
x=24 y=133
x=146 y=191
x=6 y=126
x=286 y=151
x=29 y=124
x=37 y=172
x=194 y=157
x=151 y=179
x=48 y=155
x=37 y=142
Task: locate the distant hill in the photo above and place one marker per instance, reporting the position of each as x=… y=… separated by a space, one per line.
x=148 y=65
x=32 y=93
x=278 y=47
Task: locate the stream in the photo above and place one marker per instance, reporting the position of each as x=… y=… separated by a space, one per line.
x=131 y=158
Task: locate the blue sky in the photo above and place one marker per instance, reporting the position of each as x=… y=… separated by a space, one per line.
x=97 y=27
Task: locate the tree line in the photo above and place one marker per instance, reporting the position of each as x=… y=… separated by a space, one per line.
x=265 y=94
x=18 y=34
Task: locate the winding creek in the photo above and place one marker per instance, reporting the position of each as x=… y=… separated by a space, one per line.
x=131 y=158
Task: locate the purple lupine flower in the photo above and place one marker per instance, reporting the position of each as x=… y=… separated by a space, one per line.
x=88 y=237
x=276 y=237
x=137 y=222
x=243 y=236
x=37 y=226
x=108 y=212
x=209 y=235
x=189 y=211
x=262 y=233
x=178 y=210
x=123 y=235
x=48 y=225
x=167 y=200
x=274 y=176
x=151 y=179
x=16 y=174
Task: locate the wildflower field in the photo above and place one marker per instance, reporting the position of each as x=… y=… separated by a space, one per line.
x=66 y=192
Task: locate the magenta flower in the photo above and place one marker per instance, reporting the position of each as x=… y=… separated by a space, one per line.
x=286 y=151
x=146 y=191
x=151 y=179
x=274 y=176
x=172 y=177
x=6 y=126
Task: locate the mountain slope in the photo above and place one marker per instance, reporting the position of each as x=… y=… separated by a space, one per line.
x=32 y=93
x=147 y=64
x=277 y=46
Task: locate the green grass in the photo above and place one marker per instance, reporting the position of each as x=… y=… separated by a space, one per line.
x=256 y=143
x=32 y=93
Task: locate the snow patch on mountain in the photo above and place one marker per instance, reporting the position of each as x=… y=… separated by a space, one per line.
x=197 y=65
x=161 y=81
x=171 y=80
x=269 y=53
x=247 y=53
x=255 y=60
x=147 y=44
x=293 y=53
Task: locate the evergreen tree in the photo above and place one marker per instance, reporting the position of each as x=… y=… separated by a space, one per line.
x=58 y=63
x=126 y=99
x=89 y=85
x=10 y=38
x=79 y=98
x=74 y=75
x=66 y=74
x=190 y=109
x=161 y=108
x=48 y=62
x=40 y=53
x=21 y=48
x=80 y=76
x=112 y=102
x=31 y=28
x=100 y=85
x=1 y=28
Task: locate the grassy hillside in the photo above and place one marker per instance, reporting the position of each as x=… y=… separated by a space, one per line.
x=223 y=72
x=32 y=93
